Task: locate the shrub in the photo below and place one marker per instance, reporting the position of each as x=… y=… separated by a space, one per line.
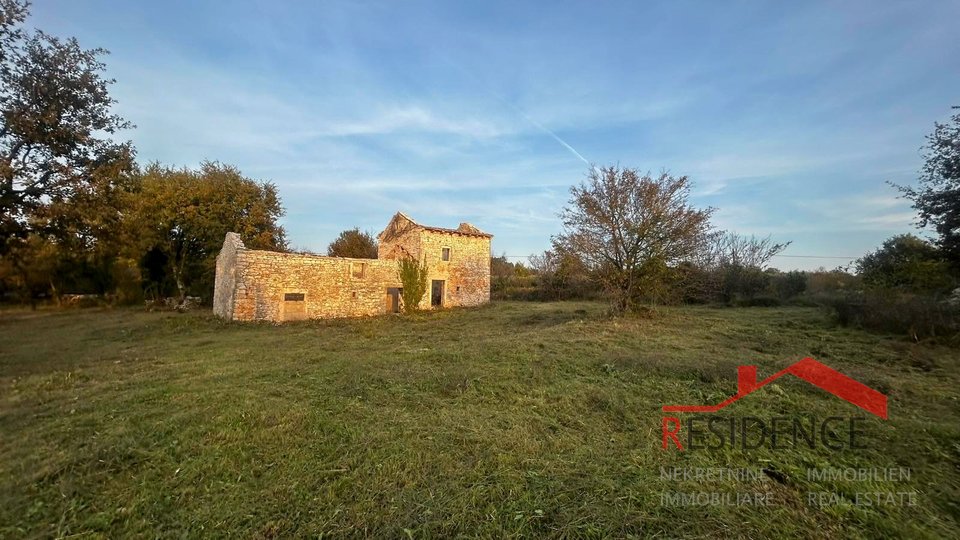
x=758 y=301
x=906 y=263
x=790 y=284
x=920 y=317
x=828 y=282
x=413 y=277
x=742 y=282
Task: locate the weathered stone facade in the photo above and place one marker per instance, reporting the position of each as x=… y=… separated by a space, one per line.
x=273 y=286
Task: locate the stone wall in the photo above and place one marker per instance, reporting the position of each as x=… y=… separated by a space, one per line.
x=330 y=286
x=401 y=238
x=267 y=285
x=225 y=283
x=466 y=275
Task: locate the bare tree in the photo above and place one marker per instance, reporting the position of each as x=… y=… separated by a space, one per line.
x=628 y=228
x=732 y=265
x=748 y=251
x=546 y=267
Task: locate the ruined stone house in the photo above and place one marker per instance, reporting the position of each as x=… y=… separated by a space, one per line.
x=273 y=286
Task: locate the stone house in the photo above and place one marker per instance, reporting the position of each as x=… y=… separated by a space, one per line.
x=273 y=286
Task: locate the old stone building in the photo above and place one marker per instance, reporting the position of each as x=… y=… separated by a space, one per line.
x=268 y=285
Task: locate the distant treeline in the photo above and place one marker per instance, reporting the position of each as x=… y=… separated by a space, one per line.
x=906 y=287
x=731 y=285
x=140 y=234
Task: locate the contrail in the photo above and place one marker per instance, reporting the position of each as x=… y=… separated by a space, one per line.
x=554 y=136
x=516 y=109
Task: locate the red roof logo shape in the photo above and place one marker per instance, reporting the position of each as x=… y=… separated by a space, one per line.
x=813 y=372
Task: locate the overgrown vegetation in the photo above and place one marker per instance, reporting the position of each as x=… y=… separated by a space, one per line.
x=413 y=277
x=917 y=316
x=905 y=288
x=515 y=419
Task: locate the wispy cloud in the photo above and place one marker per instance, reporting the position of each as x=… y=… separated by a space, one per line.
x=789 y=118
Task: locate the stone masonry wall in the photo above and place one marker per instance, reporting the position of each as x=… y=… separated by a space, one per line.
x=466 y=274
x=331 y=286
x=401 y=238
x=226 y=276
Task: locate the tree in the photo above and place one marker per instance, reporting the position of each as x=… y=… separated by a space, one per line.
x=179 y=217
x=413 y=277
x=907 y=263
x=627 y=227
x=354 y=243
x=561 y=275
x=937 y=198
x=31 y=268
x=57 y=126
x=12 y=14
x=790 y=284
x=748 y=251
x=739 y=263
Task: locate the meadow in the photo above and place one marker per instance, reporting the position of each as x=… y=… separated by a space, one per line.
x=513 y=419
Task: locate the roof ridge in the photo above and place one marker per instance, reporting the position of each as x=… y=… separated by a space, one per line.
x=410 y=219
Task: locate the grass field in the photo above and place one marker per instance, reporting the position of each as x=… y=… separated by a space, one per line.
x=512 y=419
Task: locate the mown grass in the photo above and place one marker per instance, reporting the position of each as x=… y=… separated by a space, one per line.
x=512 y=419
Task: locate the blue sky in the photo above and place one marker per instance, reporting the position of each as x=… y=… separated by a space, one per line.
x=789 y=117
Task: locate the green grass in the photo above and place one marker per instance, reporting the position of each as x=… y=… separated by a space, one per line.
x=512 y=419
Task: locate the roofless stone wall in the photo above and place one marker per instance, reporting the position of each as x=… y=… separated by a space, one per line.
x=225 y=284
x=289 y=286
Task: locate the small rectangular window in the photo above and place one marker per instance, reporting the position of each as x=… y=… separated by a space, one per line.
x=357 y=269
x=293 y=297
x=445 y=254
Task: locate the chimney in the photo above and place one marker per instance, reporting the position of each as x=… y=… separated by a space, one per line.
x=746 y=379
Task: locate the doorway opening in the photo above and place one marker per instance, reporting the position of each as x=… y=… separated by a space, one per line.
x=436 y=293
x=393 y=299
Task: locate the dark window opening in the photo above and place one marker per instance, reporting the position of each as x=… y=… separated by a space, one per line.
x=445 y=254
x=356 y=269
x=293 y=297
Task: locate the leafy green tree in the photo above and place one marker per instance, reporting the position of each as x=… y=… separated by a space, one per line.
x=907 y=263
x=12 y=14
x=354 y=243
x=31 y=269
x=60 y=169
x=87 y=228
x=57 y=127
x=413 y=277
x=178 y=218
x=937 y=197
